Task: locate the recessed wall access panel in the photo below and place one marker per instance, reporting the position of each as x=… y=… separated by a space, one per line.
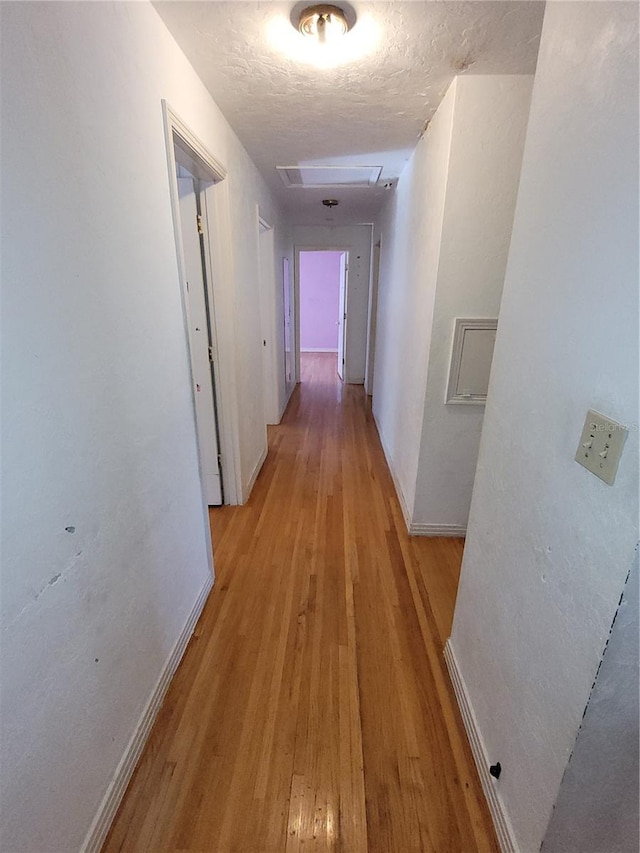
x=471 y=356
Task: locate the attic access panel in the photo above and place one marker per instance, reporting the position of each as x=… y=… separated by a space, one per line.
x=329 y=176
x=471 y=357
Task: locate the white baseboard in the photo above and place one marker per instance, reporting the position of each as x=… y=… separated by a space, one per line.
x=418 y=529
x=115 y=792
x=501 y=822
x=401 y=499
x=316 y=349
x=254 y=475
x=415 y=528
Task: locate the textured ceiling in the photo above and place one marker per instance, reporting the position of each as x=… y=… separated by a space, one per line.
x=370 y=107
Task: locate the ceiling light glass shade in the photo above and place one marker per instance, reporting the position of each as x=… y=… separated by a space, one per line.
x=323 y=22
x=285 y=37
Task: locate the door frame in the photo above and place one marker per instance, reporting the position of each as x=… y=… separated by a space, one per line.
x=288 y=285
x=197 y=299
x=268 y=321
x=218 y=260
x=296 y=290
x=342 y=315
x=372 y=318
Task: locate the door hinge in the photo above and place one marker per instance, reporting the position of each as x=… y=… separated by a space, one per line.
x=211 y=354
x=199 y=223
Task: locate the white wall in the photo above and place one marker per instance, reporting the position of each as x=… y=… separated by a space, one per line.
x=489 y=126
x=549 y=545
x=245 y=188
x=598 y=805
x=410 y=229
x=445 y=238
x=357 y=239
x=98 y=426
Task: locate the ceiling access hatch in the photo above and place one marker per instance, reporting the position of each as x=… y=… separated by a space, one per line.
x=329 y=176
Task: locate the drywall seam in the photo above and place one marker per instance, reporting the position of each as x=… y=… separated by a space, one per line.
x=254 y=475
x=504 y=830
x=115 y=792
x=401 y=498
x=420 y=529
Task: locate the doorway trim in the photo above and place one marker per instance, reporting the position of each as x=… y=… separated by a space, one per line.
x=372 y=318
x=219 y=268
x=296 y=290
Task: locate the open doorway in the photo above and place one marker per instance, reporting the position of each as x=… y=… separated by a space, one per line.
x=323 y=308
x=202 y=227
x=200 y=329
x=287 y=328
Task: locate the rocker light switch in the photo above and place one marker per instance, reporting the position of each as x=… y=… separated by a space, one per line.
x=601 y=446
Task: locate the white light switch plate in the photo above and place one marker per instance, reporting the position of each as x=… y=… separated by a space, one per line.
x=601 y=446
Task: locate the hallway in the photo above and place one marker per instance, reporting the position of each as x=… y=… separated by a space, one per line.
x=313 y=710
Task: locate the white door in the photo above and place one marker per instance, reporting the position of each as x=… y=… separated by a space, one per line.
x=200 y=342
x=268 y=321
x=342 y=313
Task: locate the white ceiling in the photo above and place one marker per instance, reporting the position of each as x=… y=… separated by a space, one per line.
x=371 y=107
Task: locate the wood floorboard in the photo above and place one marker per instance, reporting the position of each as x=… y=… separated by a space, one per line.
x=312 y=710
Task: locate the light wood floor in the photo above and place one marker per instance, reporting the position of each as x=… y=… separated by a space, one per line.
x=313 y=711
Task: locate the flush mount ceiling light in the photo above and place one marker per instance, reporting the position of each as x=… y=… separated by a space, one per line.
x=323 y=35
x=323 y=22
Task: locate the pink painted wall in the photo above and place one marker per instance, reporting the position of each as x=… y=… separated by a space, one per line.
x=319 y=300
